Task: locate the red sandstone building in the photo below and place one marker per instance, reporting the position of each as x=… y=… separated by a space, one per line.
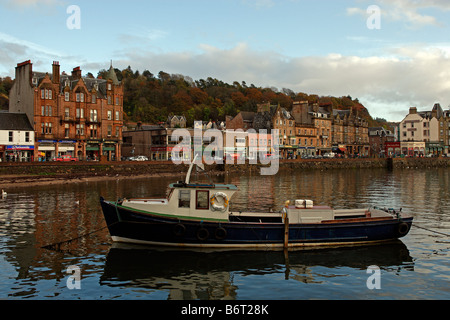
x=71 y=115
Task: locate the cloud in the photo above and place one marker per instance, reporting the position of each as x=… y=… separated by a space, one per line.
x=30 y=3
x=408 y=11
x=388 y=86
x=259 y=4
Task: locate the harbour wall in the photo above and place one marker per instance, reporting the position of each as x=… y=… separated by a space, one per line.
x=131 y=168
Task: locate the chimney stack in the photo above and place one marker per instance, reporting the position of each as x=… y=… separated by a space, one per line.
x=412 y=110
x=56 y=75
x=76 y=73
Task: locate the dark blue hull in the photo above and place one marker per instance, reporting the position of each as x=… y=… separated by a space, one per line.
x=127 y=225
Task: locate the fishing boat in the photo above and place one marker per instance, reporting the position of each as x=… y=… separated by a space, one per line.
x=198 y=215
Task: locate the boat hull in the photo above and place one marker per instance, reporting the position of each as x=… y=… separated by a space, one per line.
x=132 y=226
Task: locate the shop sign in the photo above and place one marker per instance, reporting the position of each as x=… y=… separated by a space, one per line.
x=47 y=141
x=20 y=148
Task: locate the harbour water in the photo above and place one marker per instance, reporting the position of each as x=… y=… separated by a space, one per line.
x=417 y=267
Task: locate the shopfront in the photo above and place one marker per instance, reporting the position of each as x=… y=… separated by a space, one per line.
x=109 y=150
x=392 y=149
x=93 y=150
x=66 y=147
x=46 y=150
x=434 y=148
x=19 y=153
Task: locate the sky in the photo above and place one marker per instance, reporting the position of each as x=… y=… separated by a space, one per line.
x=391 y=55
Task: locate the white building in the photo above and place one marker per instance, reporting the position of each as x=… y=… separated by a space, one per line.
x=420 y=132
x=16 y=137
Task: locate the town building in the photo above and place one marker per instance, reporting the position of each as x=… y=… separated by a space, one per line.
x=284 y=122
x=320 y=118
x=16 y=138
x=426 y=132
x=175 y=121
x=71 y=114
x=378 y=136
x=350 y=133
x=146 y=140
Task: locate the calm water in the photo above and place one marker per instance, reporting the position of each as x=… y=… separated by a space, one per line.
x=417 y=267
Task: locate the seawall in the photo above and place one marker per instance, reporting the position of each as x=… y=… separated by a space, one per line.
x=23 y=174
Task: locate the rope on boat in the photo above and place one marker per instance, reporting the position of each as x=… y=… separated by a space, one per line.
x=57 y=246
x=441 y=233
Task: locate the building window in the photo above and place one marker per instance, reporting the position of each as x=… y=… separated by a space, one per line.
x=67 y=113
x=109 y=114
x=10 y=136
x=49 y=111
x=117 y=132
x=66 y=130
x=93 y=131
x=117 y=116
x=27 y=137
x=93 y=115
x=80 y=129
x=42 y=93
x=77 y=97
x=46 y=128
x=82 y=97
x=50 y=94
x=94 y=98
x=43 y=111
x=109 y=99
x=66 y=96
x=109 y=130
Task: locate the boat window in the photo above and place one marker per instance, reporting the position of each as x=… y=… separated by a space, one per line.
x=184 y=200
x=202 y=200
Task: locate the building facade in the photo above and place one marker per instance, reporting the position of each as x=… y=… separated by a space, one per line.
x=71 y=115
x=16 y=138
x=378 y=137
x=426 y=132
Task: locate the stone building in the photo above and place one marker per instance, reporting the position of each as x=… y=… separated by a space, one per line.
x=425 y=132
x=71 y=114
x=350 y=133
x=378 y=137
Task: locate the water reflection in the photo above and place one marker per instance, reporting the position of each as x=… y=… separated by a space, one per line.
x=188 y=274
x=32 y=218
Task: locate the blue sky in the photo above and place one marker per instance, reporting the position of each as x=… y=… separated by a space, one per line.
x=319 y=47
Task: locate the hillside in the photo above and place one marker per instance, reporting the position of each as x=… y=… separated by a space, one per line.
x=151 y=98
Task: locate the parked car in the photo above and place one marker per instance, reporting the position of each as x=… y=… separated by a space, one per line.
x=329 y=155
x=140 y=158
x=271 y=156
x=65 y=158
x=233 y=156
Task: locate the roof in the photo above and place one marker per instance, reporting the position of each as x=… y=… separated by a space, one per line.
x=112 y=76
x=15 y=121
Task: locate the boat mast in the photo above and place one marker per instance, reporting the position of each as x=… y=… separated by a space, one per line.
x=194 y=162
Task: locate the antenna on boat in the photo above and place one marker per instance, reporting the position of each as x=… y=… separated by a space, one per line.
x=194 y=162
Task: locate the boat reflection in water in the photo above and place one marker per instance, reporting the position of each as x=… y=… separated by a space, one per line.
x=186 y=274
